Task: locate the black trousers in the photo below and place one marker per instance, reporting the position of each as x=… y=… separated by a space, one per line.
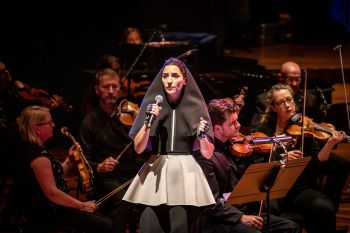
x=317 y=210
x=277 y=225
x=335 y=170
x=166 y=219
x=72 y=218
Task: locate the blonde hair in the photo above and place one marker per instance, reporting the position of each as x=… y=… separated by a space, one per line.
x=269 y=113
x=28 y=118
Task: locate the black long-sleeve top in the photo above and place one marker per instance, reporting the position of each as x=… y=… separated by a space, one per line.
x=103 y=136
x=222 y=175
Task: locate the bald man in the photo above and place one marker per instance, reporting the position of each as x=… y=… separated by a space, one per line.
x=289 y=74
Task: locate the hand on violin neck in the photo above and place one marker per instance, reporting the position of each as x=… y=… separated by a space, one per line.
x=107 y=165
x=337 y=136
x=73 y=148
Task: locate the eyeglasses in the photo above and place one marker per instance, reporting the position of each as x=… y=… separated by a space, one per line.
x=291 y=79
x=50 y=122
x=287 y=100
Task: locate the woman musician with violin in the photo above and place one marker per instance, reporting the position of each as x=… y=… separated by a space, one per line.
x=304 y=197
x=43 y=190
x=103 y=136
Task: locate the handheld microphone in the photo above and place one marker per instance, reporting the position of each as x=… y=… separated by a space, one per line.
x=159 y=101
x=186 y=54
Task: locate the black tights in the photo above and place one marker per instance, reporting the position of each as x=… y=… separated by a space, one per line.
x=166 y=219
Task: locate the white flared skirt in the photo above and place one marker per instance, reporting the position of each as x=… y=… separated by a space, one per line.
x=170 y=180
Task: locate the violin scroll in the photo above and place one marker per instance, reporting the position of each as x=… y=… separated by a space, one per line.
x=85 y=171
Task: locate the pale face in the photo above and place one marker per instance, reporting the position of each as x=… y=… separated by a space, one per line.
x=134 y=38
x=229 y=129
x=108 y=89
x=44 y=128
x=173 y=82
x=291 y=76
x=284 y=104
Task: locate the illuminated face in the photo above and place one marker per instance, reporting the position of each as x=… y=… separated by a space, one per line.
x=173 y=82
x=283 y=104
x=108 y=89
x=134 y=38
x=229 y=129
x=44 y=128
x=291 y=75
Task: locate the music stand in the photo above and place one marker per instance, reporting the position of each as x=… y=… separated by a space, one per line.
x=265 y=181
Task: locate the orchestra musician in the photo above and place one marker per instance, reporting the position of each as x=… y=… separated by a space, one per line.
x=336 y=168
x=15 y=95
x=222 y=175
x=131 y=35
x=103 y=137
x=318 y=211
x=42 y=188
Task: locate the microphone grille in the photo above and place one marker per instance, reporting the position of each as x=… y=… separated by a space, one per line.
x=64 y=130
x=159 y=99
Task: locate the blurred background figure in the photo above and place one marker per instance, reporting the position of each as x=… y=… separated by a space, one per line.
x=131 y=35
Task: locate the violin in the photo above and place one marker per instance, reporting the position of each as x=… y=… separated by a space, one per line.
x=321 y=131
x=85 y=170
x=127 y=112
x=244 y=146
x=28 y=94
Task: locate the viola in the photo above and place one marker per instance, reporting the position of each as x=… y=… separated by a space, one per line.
x=321 y=131
x=28 y=94
x=85 y=170
x=244 y=146
x=127 y=112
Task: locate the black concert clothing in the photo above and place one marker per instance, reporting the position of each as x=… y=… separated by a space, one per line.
x=222 y=175
x=171 y=183
x=103 y=136
x=304 y=197
x=37 y=208
x=336 y=168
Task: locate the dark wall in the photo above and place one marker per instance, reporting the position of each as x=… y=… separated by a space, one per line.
x=53 y=48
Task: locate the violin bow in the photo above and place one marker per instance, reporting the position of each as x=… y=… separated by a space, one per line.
x=123 y=151
x=338 y=47
x=115 y=191
x=304 y=112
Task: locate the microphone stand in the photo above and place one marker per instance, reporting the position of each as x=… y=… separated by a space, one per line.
x=271 y=179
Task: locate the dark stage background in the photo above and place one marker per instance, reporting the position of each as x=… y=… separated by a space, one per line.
x=56 y=47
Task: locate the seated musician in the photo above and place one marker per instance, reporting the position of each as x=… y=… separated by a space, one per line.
x=223 y=175
x=42 y=188
x=317 y=210
x=336 y=168
x=15 y=95
x=103 y=138
x=131 y=35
